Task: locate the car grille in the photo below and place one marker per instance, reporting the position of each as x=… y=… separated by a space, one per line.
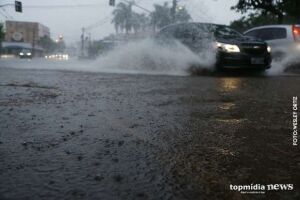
x=254 y=49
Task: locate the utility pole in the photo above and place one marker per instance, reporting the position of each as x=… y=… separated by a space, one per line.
x=33 y=42
x=82 y=42
x=112 y=2
x=173 y=11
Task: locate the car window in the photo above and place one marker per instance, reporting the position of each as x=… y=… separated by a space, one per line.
x=167 y=32
x=225 y=32
x=253 y=33
x=185 y=32
x=193 y=31
x=25 y=51
x=269 y=33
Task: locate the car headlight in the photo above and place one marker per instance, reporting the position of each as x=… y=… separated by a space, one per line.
x=269 y=49
x=231 y=48
x=28 y=54
x=21 y=54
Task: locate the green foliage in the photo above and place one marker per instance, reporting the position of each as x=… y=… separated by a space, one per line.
x=253 y=20
x=1 y=33
x=139 y=22
x=123 y=17
x=279 y=9
x=182 y=15
x=126 y=19
x=47 y=43
x=292 y=10
x=51 y=46
x=162 y=15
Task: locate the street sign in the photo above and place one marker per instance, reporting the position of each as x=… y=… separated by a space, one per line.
x=112 y=2
x=18 y=6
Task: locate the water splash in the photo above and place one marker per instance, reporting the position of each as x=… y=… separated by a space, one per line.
x=289 y=63
x=149 y=57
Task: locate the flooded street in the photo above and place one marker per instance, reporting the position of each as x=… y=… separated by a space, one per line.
x=113 y=136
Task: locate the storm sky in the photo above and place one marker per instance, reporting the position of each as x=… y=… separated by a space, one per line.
x=97 y=14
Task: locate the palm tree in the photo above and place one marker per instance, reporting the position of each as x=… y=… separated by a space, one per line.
x=123 y=17
x=161 y=16
x=2 y=35
x=182 y=15
x=139 y=22
x=144 y=21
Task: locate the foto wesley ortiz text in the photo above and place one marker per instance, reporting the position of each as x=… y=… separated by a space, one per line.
x=295 y=121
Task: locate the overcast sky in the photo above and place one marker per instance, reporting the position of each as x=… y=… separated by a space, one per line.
x=69 y=20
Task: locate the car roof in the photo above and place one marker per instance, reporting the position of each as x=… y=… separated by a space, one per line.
x=271 y=26
x=190 y=23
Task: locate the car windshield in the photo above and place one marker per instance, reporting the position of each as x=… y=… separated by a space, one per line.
x=25 y=51
x=225 y=32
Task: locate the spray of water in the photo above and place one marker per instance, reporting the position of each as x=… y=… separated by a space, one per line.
x=289 y=63
x=150 y=57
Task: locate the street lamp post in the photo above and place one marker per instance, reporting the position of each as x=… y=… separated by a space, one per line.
x=173 y=11
x=82 y=42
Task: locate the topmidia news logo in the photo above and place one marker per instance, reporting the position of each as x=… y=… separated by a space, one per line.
x=260 y=188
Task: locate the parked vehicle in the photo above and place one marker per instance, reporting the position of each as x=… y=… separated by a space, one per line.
x=283 y=39
x=233 y=50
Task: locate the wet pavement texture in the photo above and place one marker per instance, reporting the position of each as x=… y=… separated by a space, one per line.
x=77 y=135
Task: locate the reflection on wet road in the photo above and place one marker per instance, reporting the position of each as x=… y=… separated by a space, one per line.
x=230 y=84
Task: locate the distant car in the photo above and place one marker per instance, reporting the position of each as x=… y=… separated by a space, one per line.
x=233 y=50
x=58 y=56
x=25 y=53
x=283 y=39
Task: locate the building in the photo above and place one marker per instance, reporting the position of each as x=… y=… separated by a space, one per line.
x=28 y=32
x=19 y=35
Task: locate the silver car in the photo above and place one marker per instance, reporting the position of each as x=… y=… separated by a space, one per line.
x=283 y=39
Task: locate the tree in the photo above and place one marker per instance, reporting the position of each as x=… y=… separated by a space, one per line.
x=292 y=9
x=126 y=19
x=278 y=8
x=48 y=44
x=1 y=35
x=182 y=15
x=1 y=32
x=162 y=15
x=253 y=20
x=51 y=46
x=122 y=17
x=139 y=22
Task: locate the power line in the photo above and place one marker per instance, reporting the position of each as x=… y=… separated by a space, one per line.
x=7 y=4
x=3 y=14
x=61 y=6
x=99 y=23
x=4 y=11
x=138 y=6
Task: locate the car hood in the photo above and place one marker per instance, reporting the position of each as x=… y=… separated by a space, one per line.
x=240 y=40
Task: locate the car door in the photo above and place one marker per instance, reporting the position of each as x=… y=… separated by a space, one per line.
x=184 y=35
x=193 y=36
x=276 y=37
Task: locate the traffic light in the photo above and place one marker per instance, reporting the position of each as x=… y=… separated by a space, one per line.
x=112 y=2
x=18 y=6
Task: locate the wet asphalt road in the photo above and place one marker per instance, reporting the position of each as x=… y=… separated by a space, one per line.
x=79 y=135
